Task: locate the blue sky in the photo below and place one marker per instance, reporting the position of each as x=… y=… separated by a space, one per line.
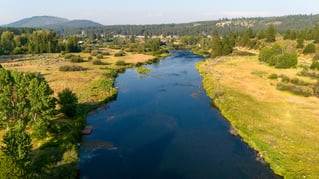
x=110 y=12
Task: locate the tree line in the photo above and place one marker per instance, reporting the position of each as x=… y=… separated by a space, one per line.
x=13 y=41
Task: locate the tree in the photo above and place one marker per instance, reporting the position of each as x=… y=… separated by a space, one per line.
x=217 y=47
x=7 y=42
x=270 y=34
x=72 y=44
x=24 y=96
x=17 y=150
x=68 y=102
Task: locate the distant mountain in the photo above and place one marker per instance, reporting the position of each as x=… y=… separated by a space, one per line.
x=49 y=22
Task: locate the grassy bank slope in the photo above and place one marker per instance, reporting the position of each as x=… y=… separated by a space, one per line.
x=281 y=126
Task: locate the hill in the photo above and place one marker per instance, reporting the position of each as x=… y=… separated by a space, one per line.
x=50 y=22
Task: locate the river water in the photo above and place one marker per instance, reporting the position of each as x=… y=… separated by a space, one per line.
x=162 y=126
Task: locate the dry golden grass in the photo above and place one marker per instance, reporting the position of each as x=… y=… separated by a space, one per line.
x=88 y=85
x=283 y=127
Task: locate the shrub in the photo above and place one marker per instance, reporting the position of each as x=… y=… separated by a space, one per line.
x=71 y=68
x=273 y=76
x=90 y=58
x=310 y=48
x=286 y=60
x=99 y=56
x=295 y=89
x=77 y=59
x=284 y=78
x=68 y=56
x=119 y=54
x=120 y=63
x=97 y=62
x=94 y=52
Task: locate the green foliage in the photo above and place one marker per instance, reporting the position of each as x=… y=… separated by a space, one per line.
x=310 y=48
x=17 y=152
x=286 y=60
x=270 y=34
x=71 y=68
x=315 y=65
x=68 y=102
x=72 y=44
x=276 y=56
x=222 y=46
x=143 y=70
x=273 y=76
x=25 y=96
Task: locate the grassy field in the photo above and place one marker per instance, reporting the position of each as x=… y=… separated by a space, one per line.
x=281 y=126
x=91 y=85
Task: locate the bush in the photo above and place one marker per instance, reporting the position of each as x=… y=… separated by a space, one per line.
x=309 y=73
x=310 y=48
x=298 y=90
x=98 y=62
x=90 y=58
x=77 y=59
x=120 y=63
x=68 y=56
x=119 y=54
x=286 y=60
x=284 y=78
x=276 y=56
x=99 y=56
x=273 y=76
x=71 y=68
x=94 y=52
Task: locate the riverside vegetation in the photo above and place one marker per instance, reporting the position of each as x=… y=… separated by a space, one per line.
x=269 y=94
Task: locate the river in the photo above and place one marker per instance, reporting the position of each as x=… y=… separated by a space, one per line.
x=162 y=125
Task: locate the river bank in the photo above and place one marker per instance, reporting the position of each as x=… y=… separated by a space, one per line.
x=280 y=126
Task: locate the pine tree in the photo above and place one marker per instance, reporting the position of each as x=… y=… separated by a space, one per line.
x=270 y=34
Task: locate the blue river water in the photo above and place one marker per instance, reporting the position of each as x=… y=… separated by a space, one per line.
x=162 y=125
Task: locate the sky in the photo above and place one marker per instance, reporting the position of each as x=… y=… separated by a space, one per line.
x=110 y=12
